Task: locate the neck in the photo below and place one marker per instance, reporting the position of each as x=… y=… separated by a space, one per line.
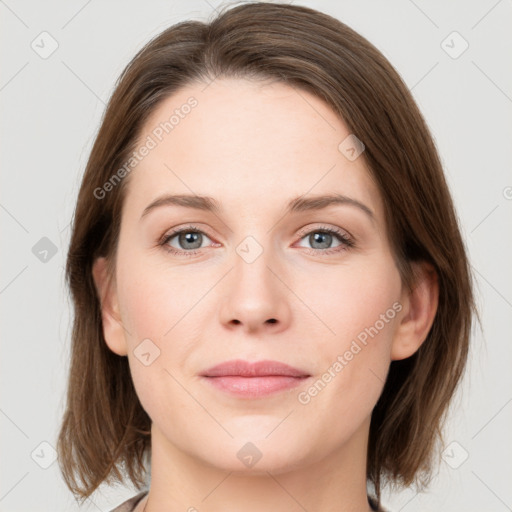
x=180 y=481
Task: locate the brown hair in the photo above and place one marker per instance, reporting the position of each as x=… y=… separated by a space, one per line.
x=105 y=430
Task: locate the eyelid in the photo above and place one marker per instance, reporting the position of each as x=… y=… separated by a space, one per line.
x=321 y=227
x=301 y=232
x=187 y=227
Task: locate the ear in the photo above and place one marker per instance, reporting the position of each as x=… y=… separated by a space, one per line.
x=419 y=309
x=113 y=330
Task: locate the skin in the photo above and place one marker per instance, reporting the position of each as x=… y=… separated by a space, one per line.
x=253 y=146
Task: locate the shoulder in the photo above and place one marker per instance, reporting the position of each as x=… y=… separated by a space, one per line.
x=129 y=505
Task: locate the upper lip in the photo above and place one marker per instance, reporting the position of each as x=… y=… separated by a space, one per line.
x=241 y=368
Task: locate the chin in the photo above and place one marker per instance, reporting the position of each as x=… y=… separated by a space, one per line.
x=253 y=454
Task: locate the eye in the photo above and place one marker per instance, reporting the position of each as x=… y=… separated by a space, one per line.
x=188 y=239
x=323 y=238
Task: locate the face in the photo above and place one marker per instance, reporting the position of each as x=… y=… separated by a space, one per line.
x=313 y=286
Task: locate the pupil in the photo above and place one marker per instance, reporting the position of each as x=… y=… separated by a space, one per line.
x=318 y=237
x=190 y=237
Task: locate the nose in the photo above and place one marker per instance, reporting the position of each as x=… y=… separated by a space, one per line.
x=256 y=296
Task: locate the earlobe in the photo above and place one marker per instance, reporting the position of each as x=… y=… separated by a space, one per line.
x=419 y=310
x=113 y=331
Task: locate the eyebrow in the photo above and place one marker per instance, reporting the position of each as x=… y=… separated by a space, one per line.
x=298 y=204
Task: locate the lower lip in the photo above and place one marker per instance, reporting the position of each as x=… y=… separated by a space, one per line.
x=254 y=387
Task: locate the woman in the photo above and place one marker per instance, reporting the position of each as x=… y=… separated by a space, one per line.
x=254 y=369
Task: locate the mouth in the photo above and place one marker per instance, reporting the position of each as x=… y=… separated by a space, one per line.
x=253 y=380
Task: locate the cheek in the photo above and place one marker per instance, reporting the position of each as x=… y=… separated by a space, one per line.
x=359 y=308
x=154 y=301
x=154 y=308
x=351 y=300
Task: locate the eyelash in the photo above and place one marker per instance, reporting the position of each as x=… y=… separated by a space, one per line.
x=347 y=242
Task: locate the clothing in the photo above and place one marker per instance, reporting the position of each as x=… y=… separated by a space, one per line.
x=129 y=505
x=373 y=505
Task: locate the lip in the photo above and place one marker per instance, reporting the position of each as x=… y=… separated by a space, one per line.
x=253 y=380
x=241 y=368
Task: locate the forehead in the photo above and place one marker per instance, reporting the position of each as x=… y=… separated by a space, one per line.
x=246 y=143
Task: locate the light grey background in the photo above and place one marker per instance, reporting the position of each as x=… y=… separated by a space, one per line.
x=51 y=110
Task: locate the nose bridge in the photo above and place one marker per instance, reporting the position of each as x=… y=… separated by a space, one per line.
x=256 y=297
x=252 y=260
